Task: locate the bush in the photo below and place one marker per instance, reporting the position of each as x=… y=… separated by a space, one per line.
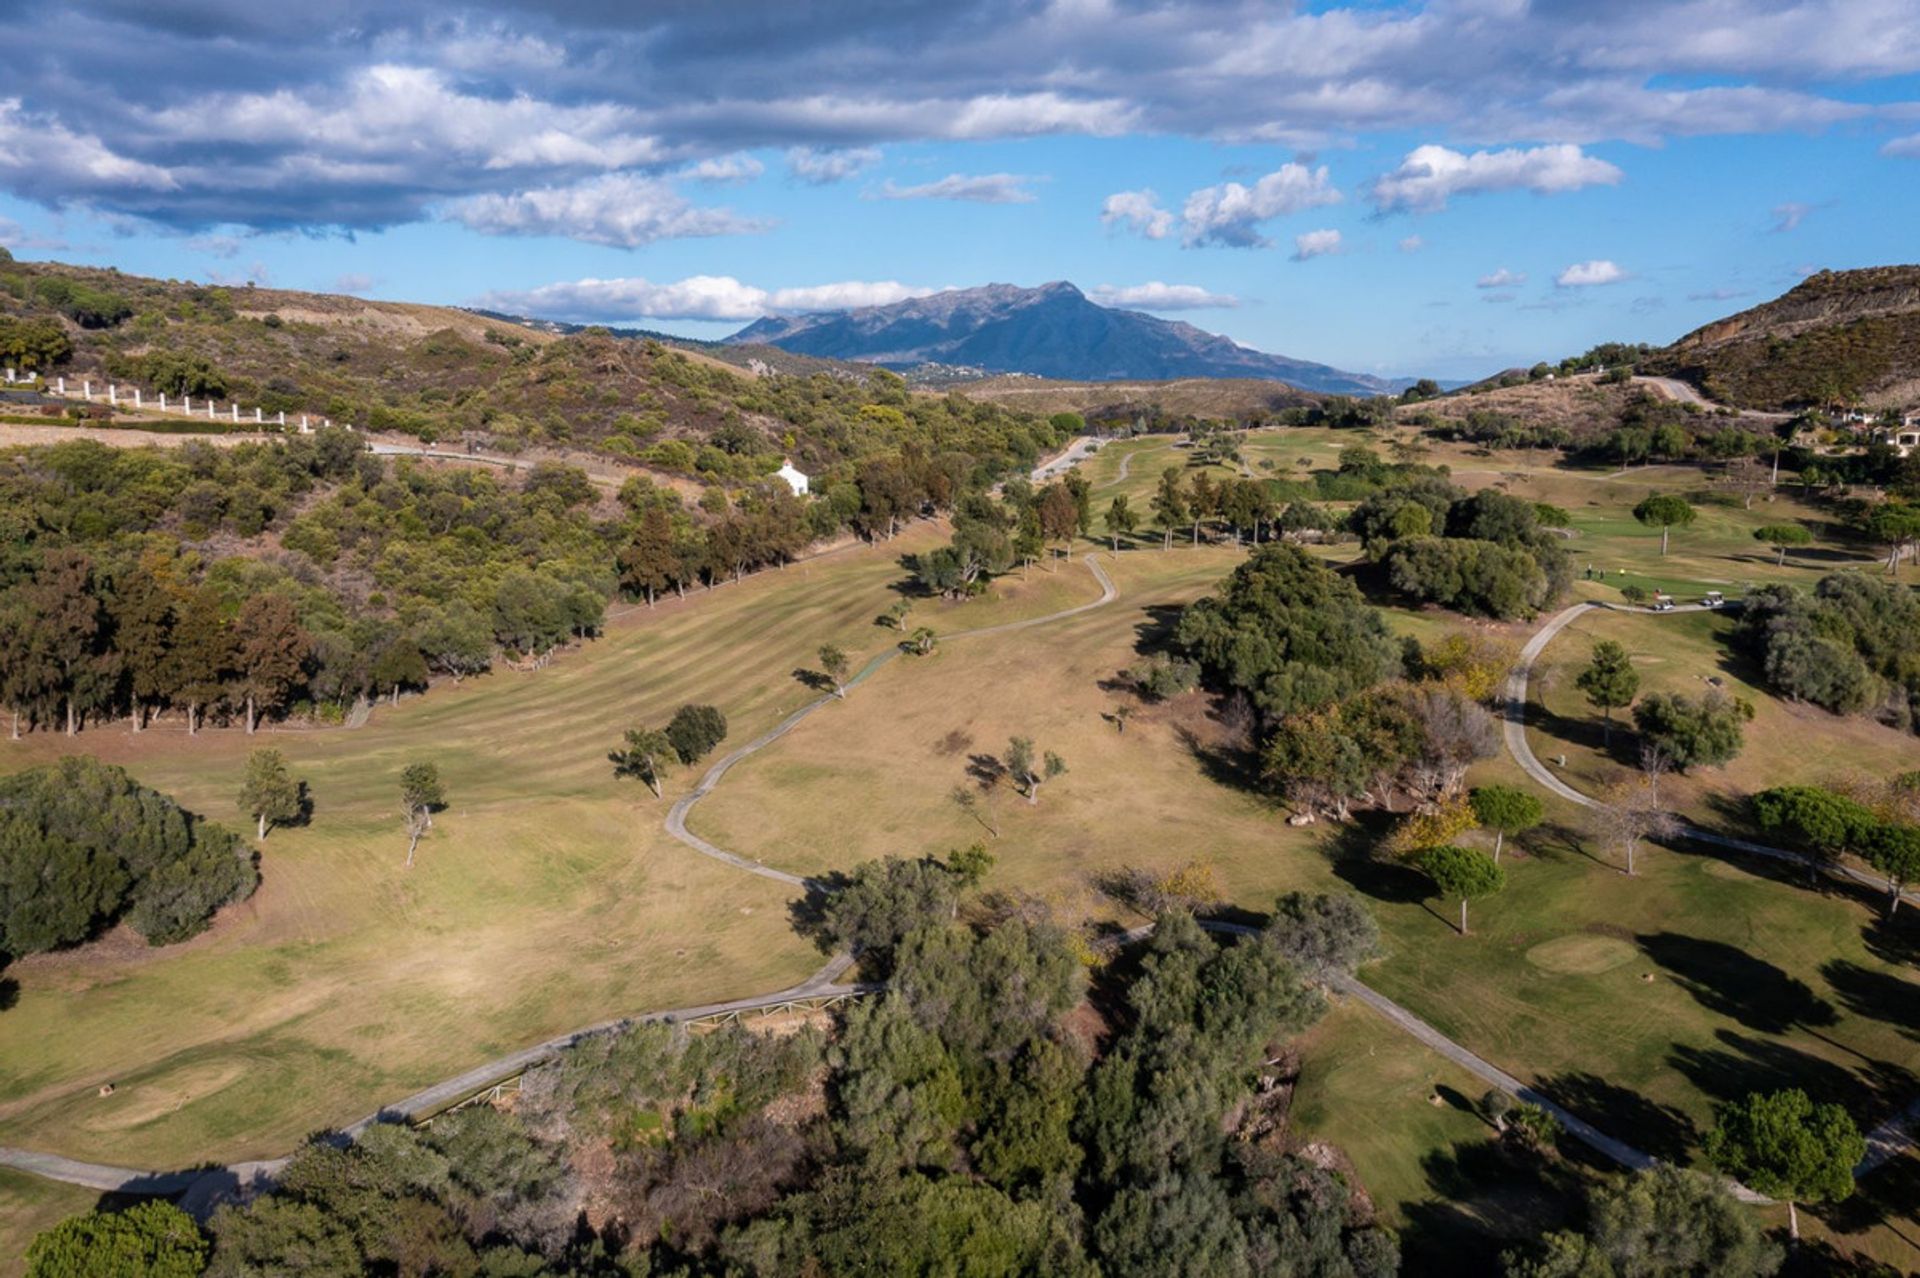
x=148 y=1240
x=695 y=730
x=1708 y=732
x=82 y=844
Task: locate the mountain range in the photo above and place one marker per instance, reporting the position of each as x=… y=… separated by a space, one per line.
x=1053 y=331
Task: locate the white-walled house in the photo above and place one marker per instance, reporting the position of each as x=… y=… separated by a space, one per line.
x=795 y=480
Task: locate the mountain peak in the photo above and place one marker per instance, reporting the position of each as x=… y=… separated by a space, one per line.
x=1053 y=330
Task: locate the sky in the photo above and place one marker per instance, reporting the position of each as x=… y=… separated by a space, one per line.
x=1443 y=188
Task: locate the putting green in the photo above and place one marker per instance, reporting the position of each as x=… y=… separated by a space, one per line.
x=1582 y=954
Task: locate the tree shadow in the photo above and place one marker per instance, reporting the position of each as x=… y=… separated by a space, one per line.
x=1155 y=632
x=1555 y=841
x=1888 y=1196
x=807 y=913
x=1661 y=1130
x=986 y=770
x=817 y=680
x=1876 y=995
x=1743 y=1064
x=9 y=993
x=1487 y=1197
x=1726 y=979
x=1895 y=938
x=1235 y=769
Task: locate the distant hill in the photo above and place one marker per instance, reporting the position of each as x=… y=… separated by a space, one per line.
x=1052 y=331
x=1836 y=337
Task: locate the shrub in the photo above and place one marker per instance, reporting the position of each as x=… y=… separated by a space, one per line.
x=695 y=730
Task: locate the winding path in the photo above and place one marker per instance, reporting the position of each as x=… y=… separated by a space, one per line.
x=677 y=814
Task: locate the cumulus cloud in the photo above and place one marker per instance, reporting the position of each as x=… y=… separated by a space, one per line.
x=1431 y=175
x=976 y=188
x=698 y=297
x=621 y=209
x=1230 y=214
x=819 y=167
x=725 y=169
x=1137 y=211
x=1502 y=278
x=1315 y=244
x=295 y=126
x=1590 y=273
x=1156 y=296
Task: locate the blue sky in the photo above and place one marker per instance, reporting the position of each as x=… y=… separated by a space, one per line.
x=1443 y=188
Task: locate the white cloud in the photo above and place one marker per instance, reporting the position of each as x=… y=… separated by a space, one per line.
x=1156 y=296
x=1431 y=175
x=354 y=282
x=1137 y=211
x=1587 y=274
x=1908 y=146
x=977 y=188
x=1229 y=214
x=725 y=169
x=1412 y=244
x=820 y=167
x=698 y=297
x=1717 y=295
x=618 y=209
x=1789 y=216
x=393 y=115
x=1315 y=244
x=1502 y=278
x=40 y=149
x=1002 y=115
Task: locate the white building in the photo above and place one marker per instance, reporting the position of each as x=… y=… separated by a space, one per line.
x=795 y=480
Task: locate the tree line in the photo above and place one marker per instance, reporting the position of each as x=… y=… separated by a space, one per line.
x=298 y=576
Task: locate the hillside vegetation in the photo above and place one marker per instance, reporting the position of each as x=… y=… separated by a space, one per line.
x=1837 y=337
x=437 y=372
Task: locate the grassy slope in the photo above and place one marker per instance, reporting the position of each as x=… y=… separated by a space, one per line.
x=28 y=1205
x=548 y=895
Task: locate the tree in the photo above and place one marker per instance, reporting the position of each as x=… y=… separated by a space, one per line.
x=921 y=642
x=1609 y=680
x=66 y=625
x=694 y=731
x=269 y=794
x=1895 y=525
x=270 y=650
x=1632 y=813
x=1783 y=1145
x=1814 y=819
x=1664 y=511
x=834 y=662
x=648 y=756
x=1894 y=850
x=1745 y=477
x=1707 y=732
x=143 y=620
x=420 y=794
x=1505 y=810
x=1783 y=536
x=1030 y=769
x=1120 y=521
x=1324 y=934
x=1463 y=873
x=151 y=1239
x=1169 y=504
x=400 y=664
x=1289 y=632
x=1059 y=516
